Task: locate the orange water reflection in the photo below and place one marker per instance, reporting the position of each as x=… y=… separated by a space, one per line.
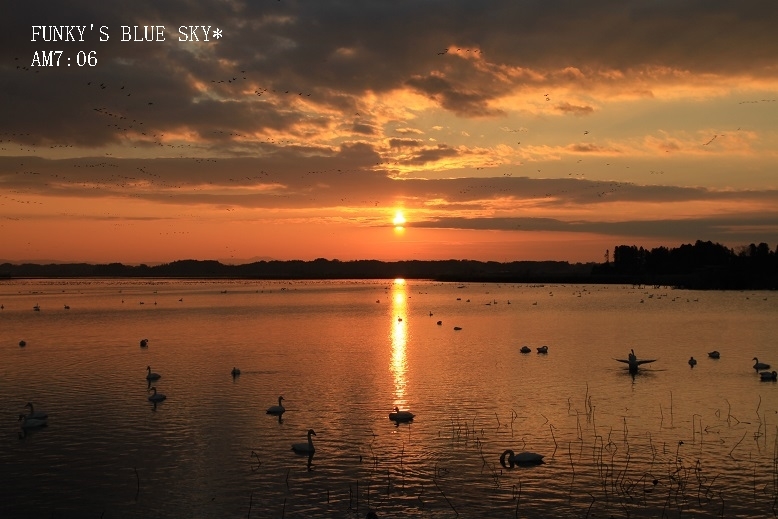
x=399 y=333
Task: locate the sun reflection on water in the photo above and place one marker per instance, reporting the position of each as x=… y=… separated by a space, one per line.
x=399 y=318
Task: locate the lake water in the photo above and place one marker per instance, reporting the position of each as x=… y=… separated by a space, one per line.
x=671 y=441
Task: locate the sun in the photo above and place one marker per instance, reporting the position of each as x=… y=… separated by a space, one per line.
x=399 y=220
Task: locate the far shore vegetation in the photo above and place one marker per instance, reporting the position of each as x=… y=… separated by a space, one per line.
x=703 y=265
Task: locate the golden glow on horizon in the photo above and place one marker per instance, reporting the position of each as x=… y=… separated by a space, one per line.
x=399 y=336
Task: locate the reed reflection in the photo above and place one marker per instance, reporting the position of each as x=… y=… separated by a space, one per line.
x=399 y=335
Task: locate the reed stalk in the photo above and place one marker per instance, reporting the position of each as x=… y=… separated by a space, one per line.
x=738 y=443
x=137 y=483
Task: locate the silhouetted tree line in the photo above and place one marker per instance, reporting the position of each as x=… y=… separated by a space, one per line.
x=448 y=270
x=702 y=265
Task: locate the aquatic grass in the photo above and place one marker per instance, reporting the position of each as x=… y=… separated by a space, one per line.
x=618 y=469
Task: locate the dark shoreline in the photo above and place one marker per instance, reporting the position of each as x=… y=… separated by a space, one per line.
x=742 y=273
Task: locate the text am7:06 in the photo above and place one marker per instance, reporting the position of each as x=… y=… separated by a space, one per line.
x=53 y=58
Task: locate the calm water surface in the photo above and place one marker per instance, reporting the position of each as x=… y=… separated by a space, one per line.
x=672 y=441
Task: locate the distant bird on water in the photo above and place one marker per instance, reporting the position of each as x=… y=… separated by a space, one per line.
x=692 y=362
x=760 y=365
x=525 y=349
x=152 y=376
x=235 y=372
x=543 y=349
x=305 y=448
x=36 y=415
x=714 y=354
x=144 y=343
x=522 y=458
x=767 y=375
x=22 y=344
x=401 y=416
x=156 y=397
x=276 y=409
x=31 y=423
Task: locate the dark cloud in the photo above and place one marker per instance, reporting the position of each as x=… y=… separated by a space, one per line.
x=574 y=109
x=431 y=155
x=280 y=62
x=718 y=229
x=405 y=143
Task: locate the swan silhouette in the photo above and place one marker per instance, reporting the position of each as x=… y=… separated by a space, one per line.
x=22 y=343
x=235 y=372
x=156 y=397
x=525 y=349
x=760 y=365
x=36 y=415
x=522 y=458
x=692 y=362
x=401 y=416
x=305 y=448
x=32 y=423
x=152 y=376
x=276 y=409
x=633 y=362
x=714 y=354
x=543 y=349
x=767 y=375
x=144 y=343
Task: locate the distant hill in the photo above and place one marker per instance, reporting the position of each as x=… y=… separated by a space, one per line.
x=704 y=265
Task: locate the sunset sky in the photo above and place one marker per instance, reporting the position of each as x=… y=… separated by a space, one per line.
x=500 y=130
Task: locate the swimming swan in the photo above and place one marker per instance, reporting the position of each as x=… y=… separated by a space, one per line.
x=31 y=423
x=760 y=365
x=235 y=372
x=305 y=448
x=714 y=354
x=543 y=349
x=525 y=349
x=156 y=397
x=767 y=375
x=692 y=361
x=152 y=376
x=401 y=416
x=36 y=415
x=276 y=409
x=144 y=343
x=522 y=458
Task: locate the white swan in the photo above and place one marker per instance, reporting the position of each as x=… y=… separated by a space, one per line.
x=525 y=349
x=37 y=415
x=767 y=375
x=31 y=423
x=522 y=458
x=276 y=409
x=156 y=397
x=543 y=349
x=760 y=365
x=305 y=448
x=692 y=362
x=152 y=376
x=144 y=343
x=401 y=416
